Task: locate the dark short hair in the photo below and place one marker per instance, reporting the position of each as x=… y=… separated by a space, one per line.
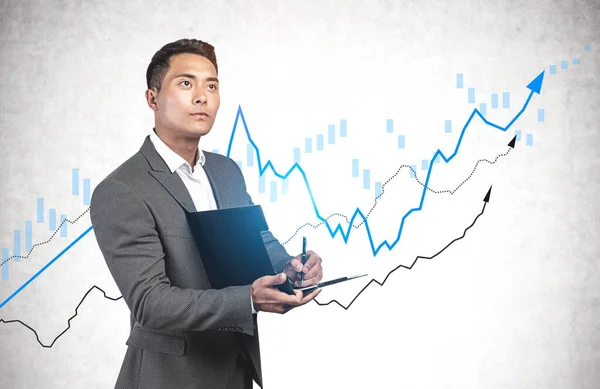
x=159 y=65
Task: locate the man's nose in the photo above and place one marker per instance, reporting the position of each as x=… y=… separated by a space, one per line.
x=200 y=97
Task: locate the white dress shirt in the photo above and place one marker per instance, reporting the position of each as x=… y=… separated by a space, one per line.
x=195 y=181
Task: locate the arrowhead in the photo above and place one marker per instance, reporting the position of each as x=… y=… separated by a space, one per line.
x=536 y=84
x=512 y=142
x=487 y=196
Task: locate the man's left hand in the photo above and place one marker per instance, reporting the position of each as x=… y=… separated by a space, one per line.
x=312 y=269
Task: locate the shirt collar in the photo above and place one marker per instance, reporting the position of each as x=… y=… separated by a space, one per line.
x=173 y=160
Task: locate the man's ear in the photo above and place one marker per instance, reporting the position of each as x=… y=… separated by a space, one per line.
x=151 y=98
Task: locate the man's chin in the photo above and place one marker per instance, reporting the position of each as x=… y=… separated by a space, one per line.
x=199 y=131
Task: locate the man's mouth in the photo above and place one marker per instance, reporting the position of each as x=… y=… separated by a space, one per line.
x=200 y=115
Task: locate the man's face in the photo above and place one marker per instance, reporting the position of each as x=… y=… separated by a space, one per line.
x=187 y=103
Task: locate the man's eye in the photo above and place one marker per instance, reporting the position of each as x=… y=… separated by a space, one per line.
x=186 y=83
x=213 y=86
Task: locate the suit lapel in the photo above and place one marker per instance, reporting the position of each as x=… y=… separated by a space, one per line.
x=213 y=177
x=170 y=181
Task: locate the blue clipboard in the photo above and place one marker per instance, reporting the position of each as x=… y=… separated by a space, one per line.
x=231 y=246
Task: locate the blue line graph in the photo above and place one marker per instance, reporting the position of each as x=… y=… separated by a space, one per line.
x=534 y=86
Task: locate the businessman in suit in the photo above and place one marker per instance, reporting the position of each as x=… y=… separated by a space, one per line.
x=184 y=334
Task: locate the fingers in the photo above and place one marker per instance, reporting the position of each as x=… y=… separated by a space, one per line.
x=314 y=275
x=314 y=260
x=270 y=299
x=277 y=279
x=267 y=297
x=265 y=291
x=313 y=270
x=303 y=300
x=294 y=264
x=293 y=268
x=310 y=296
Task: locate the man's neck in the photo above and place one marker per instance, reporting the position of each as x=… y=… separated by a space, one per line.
x=186 y=148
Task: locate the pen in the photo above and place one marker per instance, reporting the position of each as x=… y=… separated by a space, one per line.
x=338 y=280
x=303 y=260
x=309 y=289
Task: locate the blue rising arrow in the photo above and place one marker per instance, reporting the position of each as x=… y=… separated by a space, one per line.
x=536 y=84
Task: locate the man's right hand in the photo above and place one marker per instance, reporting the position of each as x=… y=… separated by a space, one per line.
x=268 y=298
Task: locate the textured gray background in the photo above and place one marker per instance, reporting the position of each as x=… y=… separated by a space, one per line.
x=517 y=305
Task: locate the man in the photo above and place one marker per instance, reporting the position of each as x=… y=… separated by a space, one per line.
x=183 y=333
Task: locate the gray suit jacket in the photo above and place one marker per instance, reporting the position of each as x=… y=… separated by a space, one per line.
x=183 y=333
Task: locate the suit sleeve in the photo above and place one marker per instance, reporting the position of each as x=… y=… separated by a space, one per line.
x=128 y=238
x=277 y=253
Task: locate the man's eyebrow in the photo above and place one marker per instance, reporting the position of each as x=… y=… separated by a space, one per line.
x=193 y=77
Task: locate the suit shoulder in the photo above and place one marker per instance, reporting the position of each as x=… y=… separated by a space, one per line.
x=128 y=172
